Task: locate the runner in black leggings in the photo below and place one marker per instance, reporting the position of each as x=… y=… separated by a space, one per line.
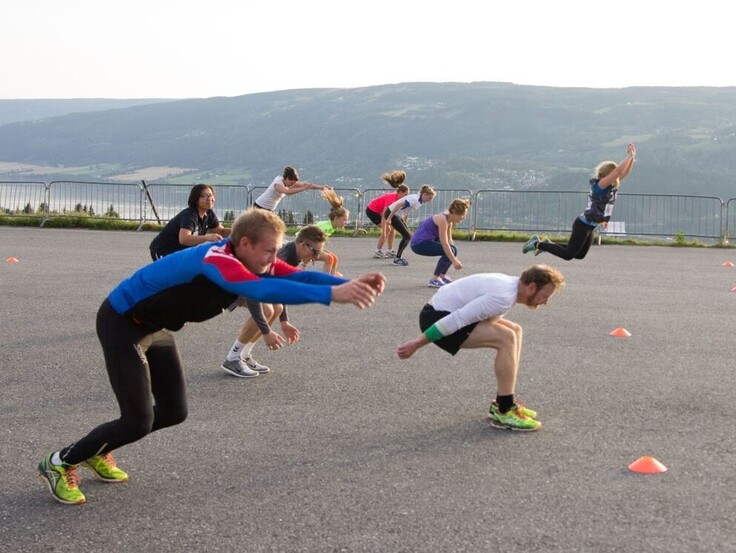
x=142 y=366
x=398 y=212
x=136 y=323
x=602 y=196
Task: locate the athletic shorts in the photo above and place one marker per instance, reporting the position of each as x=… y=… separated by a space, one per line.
x=373 y=216
x=451 y=344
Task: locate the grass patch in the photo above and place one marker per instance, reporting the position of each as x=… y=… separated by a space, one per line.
x=101 y=223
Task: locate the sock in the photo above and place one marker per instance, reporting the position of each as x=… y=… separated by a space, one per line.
x=505 y=402
x=56 y=459
x=234 y=353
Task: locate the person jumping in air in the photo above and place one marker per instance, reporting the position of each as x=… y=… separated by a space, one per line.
x=433 y=237
x=469 y=314
x=602 y=196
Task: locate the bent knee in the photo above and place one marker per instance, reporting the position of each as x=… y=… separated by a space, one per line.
x=171 y=417
x=508 y=335
x=133 y=429
x=515 y=327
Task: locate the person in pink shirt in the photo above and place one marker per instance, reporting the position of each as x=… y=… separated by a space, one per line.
x=375 y=212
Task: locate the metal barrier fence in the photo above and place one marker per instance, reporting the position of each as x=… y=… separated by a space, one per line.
x=635 y=214
x=113 y=200
x=24 y=198
x=730 y=223
x=526 y=211
x=657 y=215
x=166 y=200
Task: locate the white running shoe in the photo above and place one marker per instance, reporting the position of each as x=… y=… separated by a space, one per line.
x=238 y=368
x=254 y=365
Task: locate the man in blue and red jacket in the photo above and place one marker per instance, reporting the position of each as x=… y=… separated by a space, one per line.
x=135 y=325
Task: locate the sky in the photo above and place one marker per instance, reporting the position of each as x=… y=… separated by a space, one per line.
x=207 y=48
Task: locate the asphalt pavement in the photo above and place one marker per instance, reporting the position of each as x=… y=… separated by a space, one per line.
x=343 y=447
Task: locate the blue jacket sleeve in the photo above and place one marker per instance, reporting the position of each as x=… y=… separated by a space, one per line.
x=291 y=290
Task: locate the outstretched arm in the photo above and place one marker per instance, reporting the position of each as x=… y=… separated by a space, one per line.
x=628 y=163
x=300 y=186
x=361 y=292
x=623 y=169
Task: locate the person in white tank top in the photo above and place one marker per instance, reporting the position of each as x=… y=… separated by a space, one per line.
x=285 y=185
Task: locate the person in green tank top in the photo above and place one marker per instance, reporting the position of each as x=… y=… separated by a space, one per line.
x=337 y=218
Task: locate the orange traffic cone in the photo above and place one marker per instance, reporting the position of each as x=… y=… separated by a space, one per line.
x=12 y=260
x=647 y=465
x=728 y=264
x=620 y=332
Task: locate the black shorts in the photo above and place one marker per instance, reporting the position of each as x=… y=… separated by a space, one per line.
x=373 y=216
x=452 y=343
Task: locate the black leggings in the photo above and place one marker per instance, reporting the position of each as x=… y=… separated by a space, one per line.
x=399 y=224
x=142 y=367
x=577 y=247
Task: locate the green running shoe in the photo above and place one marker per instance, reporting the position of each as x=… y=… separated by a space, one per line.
x=62 y=481
x=105 y=469
x=530 y=244
x=529 y=413
x=513 y=419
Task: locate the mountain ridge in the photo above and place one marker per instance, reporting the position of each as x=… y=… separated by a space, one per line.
x=468 y=135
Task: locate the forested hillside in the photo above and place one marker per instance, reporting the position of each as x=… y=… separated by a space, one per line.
x=478 y=135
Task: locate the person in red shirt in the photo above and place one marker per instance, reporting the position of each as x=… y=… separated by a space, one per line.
x=375 y=212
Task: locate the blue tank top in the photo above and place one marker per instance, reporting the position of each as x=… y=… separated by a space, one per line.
x=600 y=204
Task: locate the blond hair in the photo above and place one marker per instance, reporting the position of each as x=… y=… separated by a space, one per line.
x=336 y=203
x=605 y=168
x=255 y=223
x=458 y=206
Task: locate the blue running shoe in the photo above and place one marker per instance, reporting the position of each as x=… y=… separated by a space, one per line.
x=531 y=244
x=544 y=240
